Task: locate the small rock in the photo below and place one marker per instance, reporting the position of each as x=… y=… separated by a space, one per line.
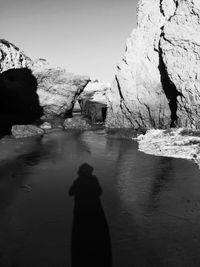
x=76 y=124
x=121 y=133
x=46 y=126
x=21 y=131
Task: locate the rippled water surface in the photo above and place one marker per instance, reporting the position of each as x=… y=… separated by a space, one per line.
x=151 y=204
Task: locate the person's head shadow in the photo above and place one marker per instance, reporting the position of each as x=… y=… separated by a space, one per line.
x=90 y=243
x=85 y=187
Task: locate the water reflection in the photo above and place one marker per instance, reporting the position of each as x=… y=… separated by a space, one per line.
x=160 y=182
x=152 y=204
x=90 y=243
x=13 y=173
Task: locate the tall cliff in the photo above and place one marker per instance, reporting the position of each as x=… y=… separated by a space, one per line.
x=157 y=83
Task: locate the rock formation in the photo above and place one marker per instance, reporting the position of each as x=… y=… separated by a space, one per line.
x=177 y=143
x=180 y=51
x=93 y=101
x=19 y=102
x=57 y=89
x=12 y=57
x=156 y=84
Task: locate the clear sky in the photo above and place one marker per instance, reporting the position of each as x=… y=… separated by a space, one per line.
x=84 y=36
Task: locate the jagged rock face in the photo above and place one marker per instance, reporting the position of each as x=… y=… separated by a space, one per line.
x=180 y=46
x=160 y=68
x=93 y=101
x=57 y=89
x=140 y=100
x=12 y=57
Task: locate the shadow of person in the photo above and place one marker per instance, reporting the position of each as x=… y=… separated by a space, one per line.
x=90 y=243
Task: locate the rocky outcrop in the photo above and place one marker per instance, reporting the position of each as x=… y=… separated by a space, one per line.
x=177 y=143
x=12 y=57
x=156 y=84
x=93 y=101
x=19 y=102
x=57 y=89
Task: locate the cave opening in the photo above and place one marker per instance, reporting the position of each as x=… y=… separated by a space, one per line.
x=95 y=111
x=104 y=113
x=19 y=102
x=77 y=107
x=169 y=89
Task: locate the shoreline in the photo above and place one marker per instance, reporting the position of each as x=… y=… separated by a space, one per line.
x=177 y=143
x=181 y=143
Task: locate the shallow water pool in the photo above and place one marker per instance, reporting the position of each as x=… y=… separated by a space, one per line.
x=151 y=204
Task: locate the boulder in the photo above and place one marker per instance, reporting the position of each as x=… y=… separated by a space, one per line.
x=21 y=131
x=58 y=90
x=76 y=123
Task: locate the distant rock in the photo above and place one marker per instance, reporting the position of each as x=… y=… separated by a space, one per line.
x=76 y=123
x=156 y=84
x=21 y=131
x=93 y=101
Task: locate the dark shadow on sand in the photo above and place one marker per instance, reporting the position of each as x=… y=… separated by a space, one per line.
x=90 y=243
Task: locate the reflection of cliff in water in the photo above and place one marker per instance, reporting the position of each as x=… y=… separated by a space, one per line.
x=90 y=245
x=14 y=172
x=151 y=203
x=159 y=184
x=19 y=102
